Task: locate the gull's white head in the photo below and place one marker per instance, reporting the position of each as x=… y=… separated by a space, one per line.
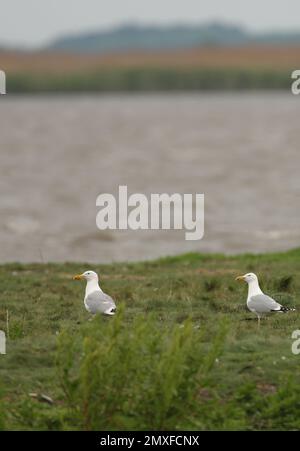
x=87 y=275
x=248 y=278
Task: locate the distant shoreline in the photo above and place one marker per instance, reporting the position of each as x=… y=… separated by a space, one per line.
x=201 y=69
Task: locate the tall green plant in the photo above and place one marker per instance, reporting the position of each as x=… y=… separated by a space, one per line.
x=141 y=375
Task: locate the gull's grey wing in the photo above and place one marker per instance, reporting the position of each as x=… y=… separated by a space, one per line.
x=99 y=302
x=261 y=303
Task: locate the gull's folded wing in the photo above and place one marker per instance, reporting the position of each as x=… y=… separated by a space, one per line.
x=262 y=303
x=99 y=302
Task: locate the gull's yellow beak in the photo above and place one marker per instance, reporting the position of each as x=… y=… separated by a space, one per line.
x=240 y=278
x=78 y=277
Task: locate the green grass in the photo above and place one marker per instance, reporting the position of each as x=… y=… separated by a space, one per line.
x=151 y=79
x=173 y=306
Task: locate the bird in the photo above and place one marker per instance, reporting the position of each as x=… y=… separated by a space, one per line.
x=95 y=300
x=257 y=301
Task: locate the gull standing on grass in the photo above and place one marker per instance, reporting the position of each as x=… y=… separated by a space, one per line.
x=257 y=301
x=95 y=300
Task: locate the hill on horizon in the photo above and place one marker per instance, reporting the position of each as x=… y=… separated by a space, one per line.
x=133 y=37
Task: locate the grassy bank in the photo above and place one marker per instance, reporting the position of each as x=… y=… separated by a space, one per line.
x=183 y=337
x=151 y=79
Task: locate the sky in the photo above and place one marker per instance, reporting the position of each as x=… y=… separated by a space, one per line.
x=33 y=23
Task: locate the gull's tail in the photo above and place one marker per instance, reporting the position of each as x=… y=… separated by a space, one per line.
x=111 y=311
x=284 y=309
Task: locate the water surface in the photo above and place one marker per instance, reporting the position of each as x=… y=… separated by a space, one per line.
x=58 y=153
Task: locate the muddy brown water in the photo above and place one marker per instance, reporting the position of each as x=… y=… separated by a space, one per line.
x=58 y=153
